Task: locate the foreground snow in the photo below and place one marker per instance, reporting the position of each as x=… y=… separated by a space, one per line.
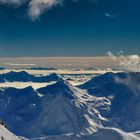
x=5 y=134
x=102 y=134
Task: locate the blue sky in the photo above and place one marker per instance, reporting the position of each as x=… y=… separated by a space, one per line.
x=68 y=27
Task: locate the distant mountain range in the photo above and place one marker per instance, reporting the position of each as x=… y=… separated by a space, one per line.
x=23 y=76
x=41 y=68
x=2 y=68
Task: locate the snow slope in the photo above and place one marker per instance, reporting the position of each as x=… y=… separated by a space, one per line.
x=7 y=135
x=123 y=92
x=102 y=134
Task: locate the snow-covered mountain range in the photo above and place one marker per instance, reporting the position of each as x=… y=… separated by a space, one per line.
x=53 y=110
x=104 y=108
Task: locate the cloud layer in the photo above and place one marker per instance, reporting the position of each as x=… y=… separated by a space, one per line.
x=35 y=7
x=127 y=63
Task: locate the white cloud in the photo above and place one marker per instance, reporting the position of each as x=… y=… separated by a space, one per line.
x=110 y=15
x=110 y=54
x=127 y=63
x=37 y=7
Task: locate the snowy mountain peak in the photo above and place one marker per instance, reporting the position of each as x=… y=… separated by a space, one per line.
x=22 y=92
x=123 y=92
x=61 y=110
x=18 y=73
x=53 y=76
x=108 y=77
x=61 y=87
